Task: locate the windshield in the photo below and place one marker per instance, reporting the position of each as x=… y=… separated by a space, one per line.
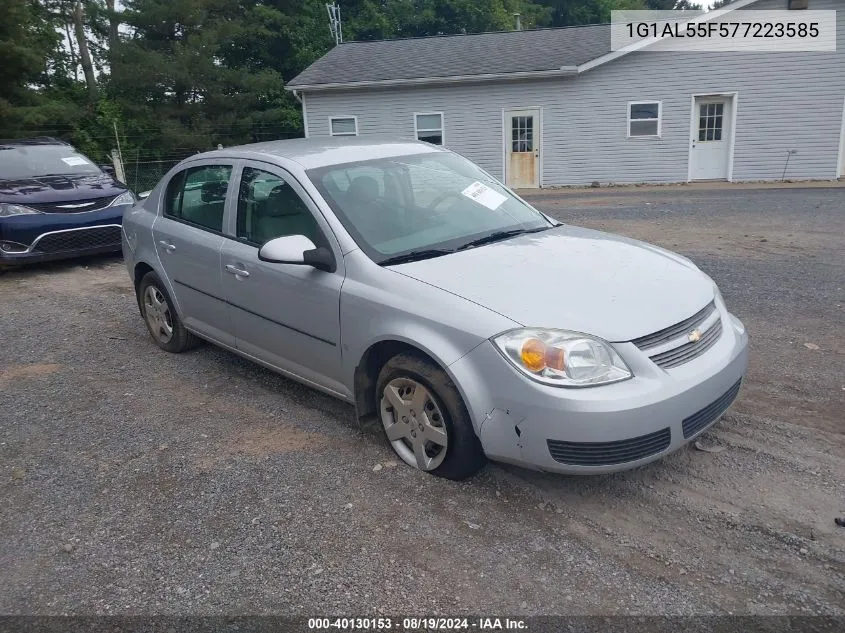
x=30 y=161
x=438 y=200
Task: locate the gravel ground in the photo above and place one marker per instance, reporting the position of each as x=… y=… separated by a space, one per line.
x=138 y=482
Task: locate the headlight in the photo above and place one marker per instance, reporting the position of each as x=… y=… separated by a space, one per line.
x=7 y=210
x=127 y=197
x=562 y=358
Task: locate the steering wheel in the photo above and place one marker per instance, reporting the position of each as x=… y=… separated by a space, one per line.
x=439 y=199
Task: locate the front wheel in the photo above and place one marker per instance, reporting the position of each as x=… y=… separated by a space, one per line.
x=164 y=324
x=425 y=420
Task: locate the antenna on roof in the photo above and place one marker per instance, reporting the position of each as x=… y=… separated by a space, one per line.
x=518 y=21
x=335 y=25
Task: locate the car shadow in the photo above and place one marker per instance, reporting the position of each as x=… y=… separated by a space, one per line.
x=61 y=265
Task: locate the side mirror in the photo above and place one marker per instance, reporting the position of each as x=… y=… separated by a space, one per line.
x=297 y=249
x=144 y=194
x=109 y=169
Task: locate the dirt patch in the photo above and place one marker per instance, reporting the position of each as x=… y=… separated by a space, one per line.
x=38 y=370
x=261 y=442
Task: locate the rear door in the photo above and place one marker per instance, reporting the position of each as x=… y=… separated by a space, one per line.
x=284 y=314
x=188 y=238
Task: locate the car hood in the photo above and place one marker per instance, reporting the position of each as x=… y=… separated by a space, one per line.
x=59 y=188
x=572 y=278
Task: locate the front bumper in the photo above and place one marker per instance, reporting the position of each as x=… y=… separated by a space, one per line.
x=600 y=429
x=50 y=236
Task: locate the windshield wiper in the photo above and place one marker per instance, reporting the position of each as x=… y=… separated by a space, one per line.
x=414 y=256
x=501 y=235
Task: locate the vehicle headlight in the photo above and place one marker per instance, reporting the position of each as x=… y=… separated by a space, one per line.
x=127 y=197
x=7 y=210
x=562 y=358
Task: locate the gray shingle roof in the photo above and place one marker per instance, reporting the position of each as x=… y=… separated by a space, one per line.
x=457 y=55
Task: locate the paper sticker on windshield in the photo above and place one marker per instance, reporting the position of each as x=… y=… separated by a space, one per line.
x=484 y=195
x=74 y=160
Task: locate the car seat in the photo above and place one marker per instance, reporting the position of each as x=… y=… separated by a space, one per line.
x=283 y=213
x=210 y=213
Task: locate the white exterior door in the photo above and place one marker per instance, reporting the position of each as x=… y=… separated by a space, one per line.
x=711 y=138
x=522 y=148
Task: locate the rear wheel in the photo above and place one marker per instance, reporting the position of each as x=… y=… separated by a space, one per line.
x=163 y=323
x=425 y=420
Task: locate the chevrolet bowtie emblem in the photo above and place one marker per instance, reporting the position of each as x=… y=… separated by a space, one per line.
x=694 y=336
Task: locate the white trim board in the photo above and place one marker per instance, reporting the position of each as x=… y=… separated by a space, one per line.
x=305 y=115
x=840 y=162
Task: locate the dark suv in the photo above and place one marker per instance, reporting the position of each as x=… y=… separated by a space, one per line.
x=56 y=203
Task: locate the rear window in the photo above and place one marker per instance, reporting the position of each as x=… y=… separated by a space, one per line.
x=31 y=161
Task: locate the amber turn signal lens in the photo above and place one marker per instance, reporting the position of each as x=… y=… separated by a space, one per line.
x=533 y=354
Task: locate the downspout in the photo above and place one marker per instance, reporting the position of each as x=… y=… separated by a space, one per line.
x=304 y=113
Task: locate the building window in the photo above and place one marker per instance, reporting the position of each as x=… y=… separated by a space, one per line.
x=428 y=127
x=644 y=118
x=343 y=125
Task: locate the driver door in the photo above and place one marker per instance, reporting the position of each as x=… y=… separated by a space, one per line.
x=286 y=315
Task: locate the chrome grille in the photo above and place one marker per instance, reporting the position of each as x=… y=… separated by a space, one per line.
x=608 y=453
x=74 y=206
x=700 y=420
x=671 y=346
x=688 y=351
x=674 y=331
x=95 y=237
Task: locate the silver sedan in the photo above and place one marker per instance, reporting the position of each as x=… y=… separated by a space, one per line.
x=406 y=280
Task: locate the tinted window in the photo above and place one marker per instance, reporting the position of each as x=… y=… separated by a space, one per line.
x=268 y=207
x=28 y=161
x=198 y=195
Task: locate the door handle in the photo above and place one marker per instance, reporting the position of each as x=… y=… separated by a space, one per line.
x=240 y=272
x=167 y=246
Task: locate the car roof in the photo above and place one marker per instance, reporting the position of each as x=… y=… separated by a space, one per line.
x=324 y=151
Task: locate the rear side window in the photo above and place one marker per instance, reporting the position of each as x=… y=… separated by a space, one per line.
x=198 y=196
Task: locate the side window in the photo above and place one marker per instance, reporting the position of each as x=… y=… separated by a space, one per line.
x=268 y=207
x=198 y=195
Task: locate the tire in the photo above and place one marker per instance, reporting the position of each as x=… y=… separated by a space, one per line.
x=419 y=421
x=163 y=323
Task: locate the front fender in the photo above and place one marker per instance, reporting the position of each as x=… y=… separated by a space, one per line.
x=378 y=304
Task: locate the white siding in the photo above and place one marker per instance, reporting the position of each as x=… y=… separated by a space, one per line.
x=785 y=101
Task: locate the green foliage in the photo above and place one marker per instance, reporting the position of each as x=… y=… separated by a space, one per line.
x=26 y=36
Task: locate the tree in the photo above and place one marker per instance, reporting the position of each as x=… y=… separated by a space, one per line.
x=187 y=74
x=576 y=12
x=84 y=53
x=26 y=40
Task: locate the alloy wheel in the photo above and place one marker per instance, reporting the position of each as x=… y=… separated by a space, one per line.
x=414 y=423
x=158 y=315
